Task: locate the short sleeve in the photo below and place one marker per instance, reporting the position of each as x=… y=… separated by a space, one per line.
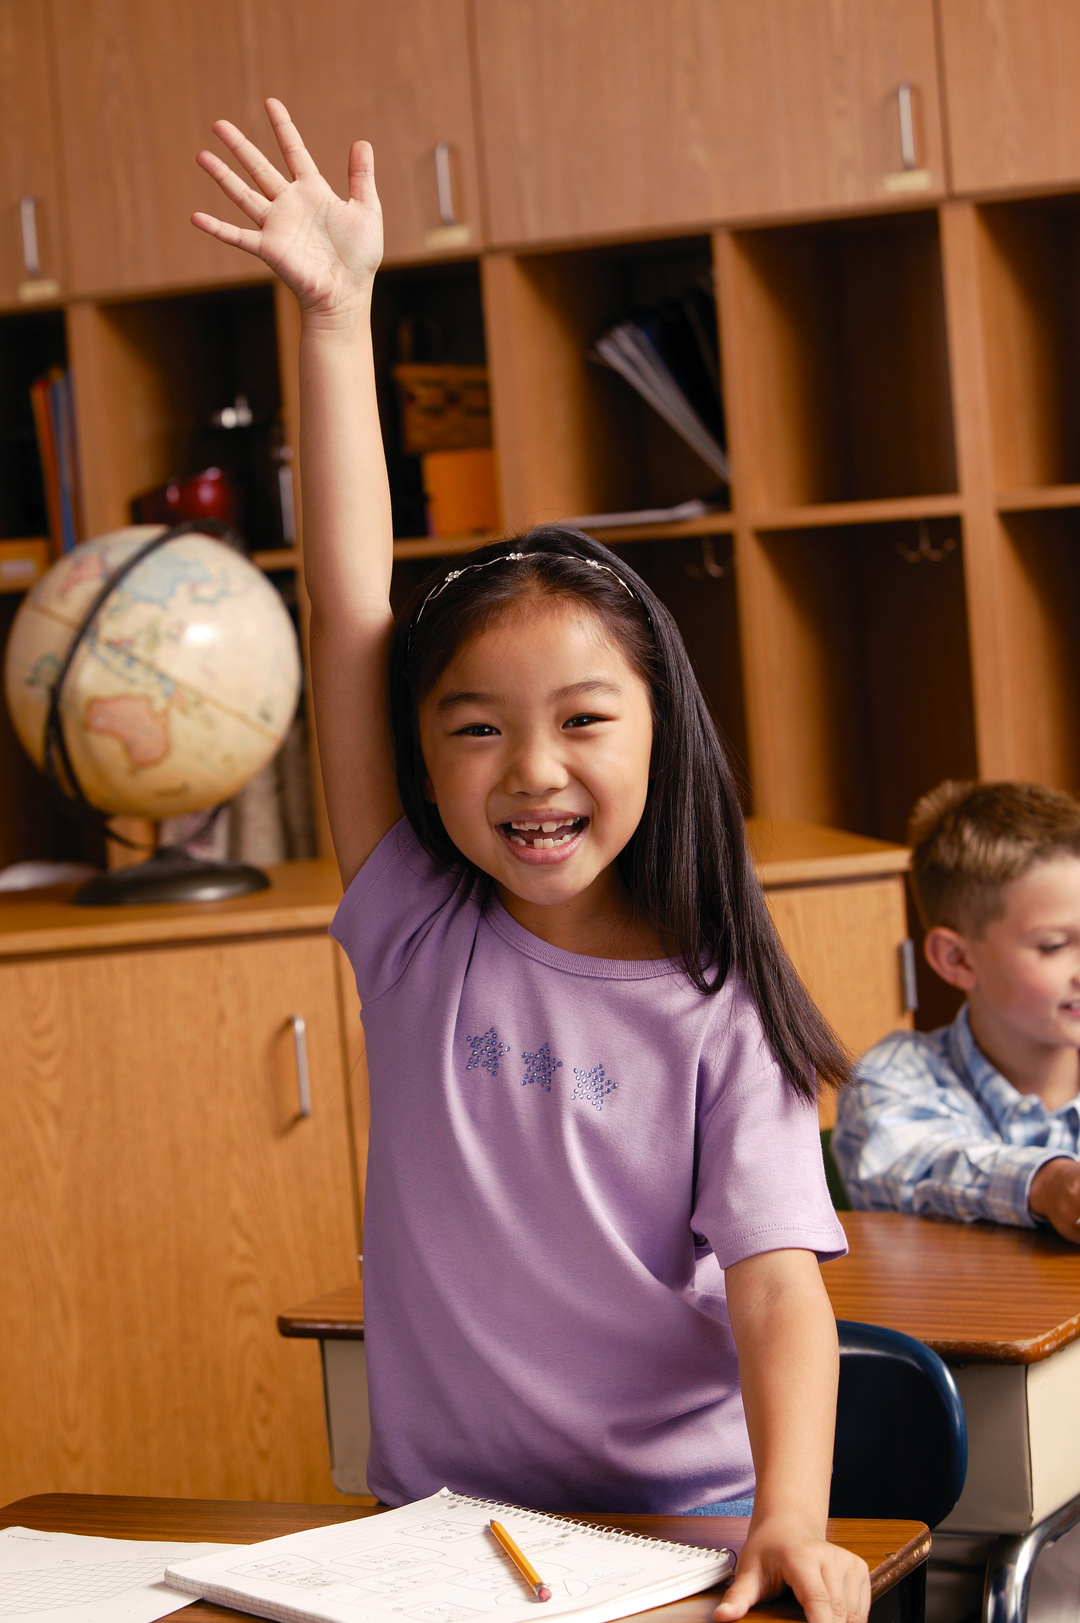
x=760 y=1180
x=398 y=898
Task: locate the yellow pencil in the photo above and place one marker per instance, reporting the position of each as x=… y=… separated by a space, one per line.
x=521 y=1562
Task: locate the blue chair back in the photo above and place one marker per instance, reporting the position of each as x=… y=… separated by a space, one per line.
x=901 y=1435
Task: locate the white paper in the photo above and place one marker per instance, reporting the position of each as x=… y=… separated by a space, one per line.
x=66 y=1578
x=436 y=1562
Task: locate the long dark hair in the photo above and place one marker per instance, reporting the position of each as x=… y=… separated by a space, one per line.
x=687 y=867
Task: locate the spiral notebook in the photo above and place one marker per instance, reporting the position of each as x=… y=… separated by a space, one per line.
x=436 y=1562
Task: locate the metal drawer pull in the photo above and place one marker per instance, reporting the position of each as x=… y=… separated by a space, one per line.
x=907 y=126
x=303 y=1075
x=907 y=975
x=444 y=183
x=28 y=221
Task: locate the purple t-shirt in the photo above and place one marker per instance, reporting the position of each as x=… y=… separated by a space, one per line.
x=566 y=1152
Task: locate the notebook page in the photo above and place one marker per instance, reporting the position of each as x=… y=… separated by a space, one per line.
x=436 y=1562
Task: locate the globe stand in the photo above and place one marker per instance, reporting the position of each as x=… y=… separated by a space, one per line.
x=171 y=875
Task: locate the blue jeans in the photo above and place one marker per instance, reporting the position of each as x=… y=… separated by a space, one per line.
x=725 y=1507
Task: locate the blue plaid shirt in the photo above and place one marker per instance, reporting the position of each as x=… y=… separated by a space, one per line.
x=930 y=1126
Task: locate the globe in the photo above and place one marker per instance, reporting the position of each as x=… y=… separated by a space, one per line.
x=183 y=685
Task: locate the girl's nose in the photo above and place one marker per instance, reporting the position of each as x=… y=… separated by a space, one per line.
x=534 y=767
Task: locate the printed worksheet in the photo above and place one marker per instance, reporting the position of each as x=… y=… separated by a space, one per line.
x=65 y=1578
x=437 y=1562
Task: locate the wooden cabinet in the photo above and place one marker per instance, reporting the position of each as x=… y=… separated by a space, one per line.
x=139 y=87
x=614 y=116
x=398 y=76
x=1010 y=69
x=28 y=168
x=162 y=1196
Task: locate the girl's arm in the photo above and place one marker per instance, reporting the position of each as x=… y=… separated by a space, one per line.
x=785 y=1334
x=326 y=249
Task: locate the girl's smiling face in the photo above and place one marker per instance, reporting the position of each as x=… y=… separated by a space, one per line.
x=537 y=740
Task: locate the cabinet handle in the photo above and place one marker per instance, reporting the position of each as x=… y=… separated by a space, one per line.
x=907 y=975
x=907 y=126
x=28 y=221
x=303 y=1076
x=444 y=184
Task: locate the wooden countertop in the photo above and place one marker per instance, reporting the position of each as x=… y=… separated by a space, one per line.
x=337 y=1316
x=304 y=895
x=891 y=1549
x=975 y=1292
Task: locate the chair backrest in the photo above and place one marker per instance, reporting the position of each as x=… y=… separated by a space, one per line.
x=901 y=1435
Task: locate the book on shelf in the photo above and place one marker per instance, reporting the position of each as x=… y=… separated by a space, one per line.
x=669 y=354
x=54 y=424
x=437 y=1561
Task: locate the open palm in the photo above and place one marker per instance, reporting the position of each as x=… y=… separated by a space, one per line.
x=326 y=248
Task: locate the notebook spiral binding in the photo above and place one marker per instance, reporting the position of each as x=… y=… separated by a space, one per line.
x=616 y=1535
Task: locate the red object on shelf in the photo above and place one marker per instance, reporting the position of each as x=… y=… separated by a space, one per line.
x=207 y=494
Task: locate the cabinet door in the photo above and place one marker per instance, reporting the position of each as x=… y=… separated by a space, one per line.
x=161 y=1201
x=28 y=167
x=398 y=76
x=616 y=115
x=1010 y=69
x=139 y=86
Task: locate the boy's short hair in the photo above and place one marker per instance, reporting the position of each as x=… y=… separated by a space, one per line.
x=971 y=839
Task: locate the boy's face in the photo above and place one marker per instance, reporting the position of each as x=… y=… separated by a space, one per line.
x=1024 y=971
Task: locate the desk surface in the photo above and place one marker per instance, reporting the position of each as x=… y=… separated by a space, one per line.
x=975 y=1292
x=304 y=895
x=891 y=1549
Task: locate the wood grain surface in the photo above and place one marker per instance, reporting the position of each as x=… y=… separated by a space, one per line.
x=160 y=1197
x=337 y=1316
x=975 y=1292
x=302 y=896
x=891 y=1549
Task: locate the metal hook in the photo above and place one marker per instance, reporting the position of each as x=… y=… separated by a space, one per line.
x=925 y=552
x=708 y=567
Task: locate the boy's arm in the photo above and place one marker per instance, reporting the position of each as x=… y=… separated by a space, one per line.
x=326 y=249
x=785 y=1334
x=909 y=1140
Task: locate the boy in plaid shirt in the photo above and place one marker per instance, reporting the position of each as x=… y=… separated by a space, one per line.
x=981 y=1118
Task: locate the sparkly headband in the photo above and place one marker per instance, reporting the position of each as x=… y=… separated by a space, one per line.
x=516 y=557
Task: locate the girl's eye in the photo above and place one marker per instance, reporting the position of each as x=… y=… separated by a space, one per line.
x=581 y=721
x=477 y=729
x=1047 y=947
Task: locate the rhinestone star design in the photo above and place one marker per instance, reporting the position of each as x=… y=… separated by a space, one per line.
x=540 y=1067
x=487 y=1051
x=593 y=1086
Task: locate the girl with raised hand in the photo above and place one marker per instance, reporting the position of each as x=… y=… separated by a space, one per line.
x=595 y=1200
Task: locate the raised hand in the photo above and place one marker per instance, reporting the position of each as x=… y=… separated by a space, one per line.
x=326 y=248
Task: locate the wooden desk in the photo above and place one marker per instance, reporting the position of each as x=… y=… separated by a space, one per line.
x=1002 y=1307
x=894 y=1551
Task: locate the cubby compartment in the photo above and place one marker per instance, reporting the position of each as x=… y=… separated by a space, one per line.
x=431 y=313
x=858 y=682
x=574 y=437
x=1041 y=605
x=29 y=346
x=166 y=366
x=839 y=372
x=1029 y=261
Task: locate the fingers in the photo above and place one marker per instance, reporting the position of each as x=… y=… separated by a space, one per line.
x=362 y=173
x=270 y=180
x=249 y=241
x=745 y=1591
x=253 y=203
x=293 y=150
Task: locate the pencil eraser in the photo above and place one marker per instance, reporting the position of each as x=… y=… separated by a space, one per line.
x=543 y=1593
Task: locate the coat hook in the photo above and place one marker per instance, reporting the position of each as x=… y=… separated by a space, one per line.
x=708 y=567
x=925 y=551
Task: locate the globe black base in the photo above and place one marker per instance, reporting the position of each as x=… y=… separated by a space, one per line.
x=171 y=876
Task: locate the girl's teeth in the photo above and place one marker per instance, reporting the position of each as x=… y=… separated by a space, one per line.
x=549 y=828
